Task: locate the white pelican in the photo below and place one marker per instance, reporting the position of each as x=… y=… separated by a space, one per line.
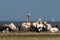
x=12 y=26
x=27 y=24
x=50 y=28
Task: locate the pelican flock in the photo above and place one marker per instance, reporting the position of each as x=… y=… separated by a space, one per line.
x=38 y=26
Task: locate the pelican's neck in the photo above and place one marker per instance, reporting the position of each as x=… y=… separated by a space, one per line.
x=28 y=18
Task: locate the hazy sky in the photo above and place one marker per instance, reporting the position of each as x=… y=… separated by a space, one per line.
x=17 y=10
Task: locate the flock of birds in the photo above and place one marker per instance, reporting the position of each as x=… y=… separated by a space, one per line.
x=38 y=26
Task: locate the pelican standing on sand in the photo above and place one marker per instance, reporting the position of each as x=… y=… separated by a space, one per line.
x=39 y=24
x=28 y=23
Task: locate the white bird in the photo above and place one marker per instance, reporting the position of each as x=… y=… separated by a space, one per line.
x=50 y=28
x=27 y=24
x=12 y=26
